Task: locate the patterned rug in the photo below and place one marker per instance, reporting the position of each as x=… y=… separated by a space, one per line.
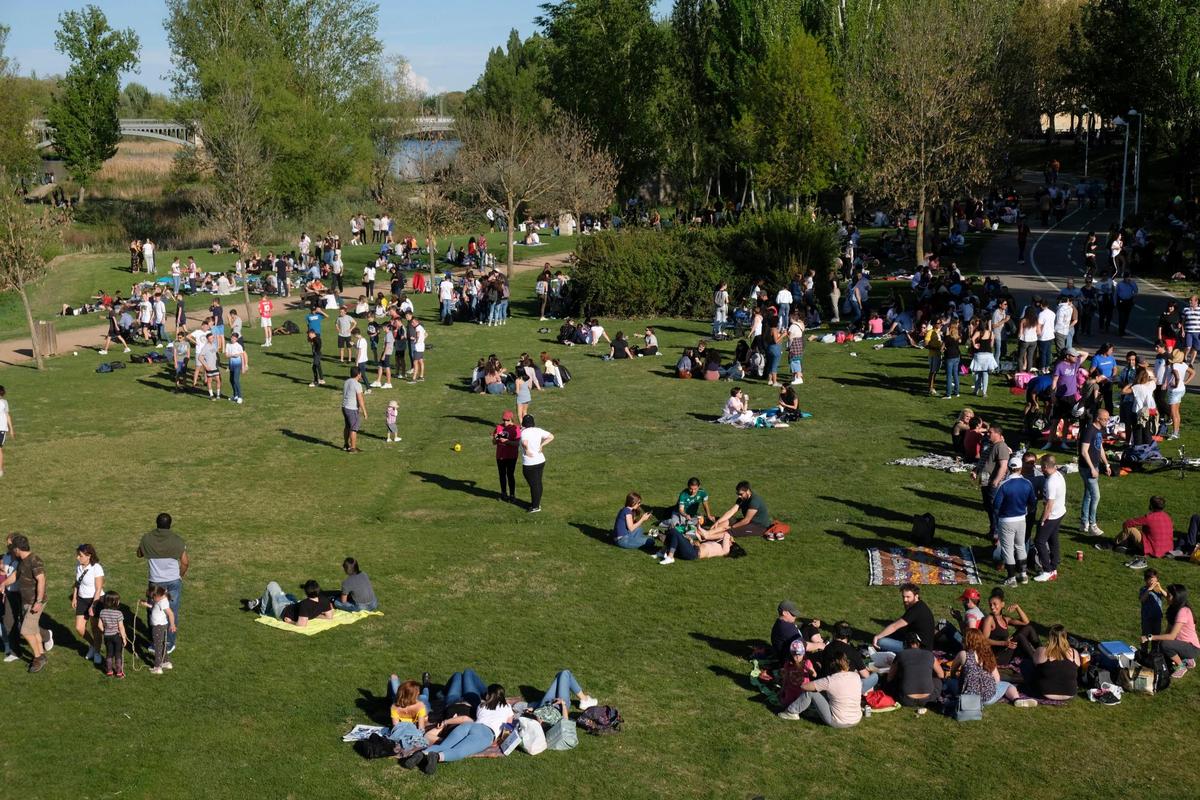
x=944 y=566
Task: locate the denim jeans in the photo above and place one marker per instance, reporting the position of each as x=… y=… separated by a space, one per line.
x=274 y=600
x=1091 y=502
x=464 y=741
x=176 y=280
x=561 y=688
x=465 y=686
x=817 y=702
x=870 y=682
x=338 y=604
x=784 y=311
x=718 y=323
x=796 y=364
x=393 y=691
x=981 y=382
x=1044 y=354
x=174 y=593
x=445 y=310
x=235 y=376
x=890 y=645
x=633 y=540
x=1002 y=687
x=504 y=309
x=952 y=376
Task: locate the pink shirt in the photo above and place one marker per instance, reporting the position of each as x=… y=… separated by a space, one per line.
x=1187 y=627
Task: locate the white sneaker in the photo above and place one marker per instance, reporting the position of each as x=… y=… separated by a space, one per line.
x=1045 y=576
x=797 y=381
x=312 y=386
x=11 y=656
x=667 y=560
x=49 y=641
x=90 y=653
x=587 y=702
x=103 y=352
x=387 y=386
x=239 y=401
x=160 y=345
x=1095 y=531
x=127 y=350
x=168 y=665
x=156 y=671
x=375 y=384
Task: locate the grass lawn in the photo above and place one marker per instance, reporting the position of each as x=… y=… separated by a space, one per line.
x=262 y=492
x=75 y=278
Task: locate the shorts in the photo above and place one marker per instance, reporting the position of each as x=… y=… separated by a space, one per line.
x=419 y=355
x=343 y=341
x=218 y=330
x=265 y=323
x=83 y=605
x=1176 y=395
x=212 y=373
x=2 y=435
x=30 y=622
x=1192 y=341
x=350 y=415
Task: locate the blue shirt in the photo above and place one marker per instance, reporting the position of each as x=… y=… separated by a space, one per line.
x=1040 y=385
x=1106 y=364
x=1094 y=439
x=1126 y=290
x=1014 y=498
x=620 y=529
x=314 y=322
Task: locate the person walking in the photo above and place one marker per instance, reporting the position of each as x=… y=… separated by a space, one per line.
x=354 y=410
x=533 y=459
x=30 y=579
x=1189 y=317
x=265 y=309
x=1092 y=460
x=167 y=562
x=507 y=439
x=1126 y=291
x=314 y=341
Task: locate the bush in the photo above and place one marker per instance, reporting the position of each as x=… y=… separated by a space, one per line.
x=640 y=272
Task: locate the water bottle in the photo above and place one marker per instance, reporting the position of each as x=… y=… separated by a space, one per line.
x=866 y=711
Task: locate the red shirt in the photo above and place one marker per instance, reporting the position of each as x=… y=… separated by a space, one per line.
x=1158 y=532
x=511 y=448
x=264 y=308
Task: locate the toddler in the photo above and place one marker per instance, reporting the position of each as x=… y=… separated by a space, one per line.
x=162 y=619
x=112 y=625
x=393 y=410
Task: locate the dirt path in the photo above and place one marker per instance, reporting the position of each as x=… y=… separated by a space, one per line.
x=17 y=352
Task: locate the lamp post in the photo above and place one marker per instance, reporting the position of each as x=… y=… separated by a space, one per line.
x=1124 y=166
x=1087 y=135
x=1137 y=164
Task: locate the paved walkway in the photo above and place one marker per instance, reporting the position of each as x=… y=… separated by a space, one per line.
x=17 y=352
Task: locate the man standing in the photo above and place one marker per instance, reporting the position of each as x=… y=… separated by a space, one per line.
x=533 y=459
x=416 y=338
x=917 y=618
x=992 y=471
x=755 y=517
x=167 y=559
x=30 y=578
x=1065 y=318
x=6 y=427
x=1092 y=460
x=1011 y=502
x=1063 y=388
x=1000 y=318
x=1127 y=290
x=446 y=298
x=265 y=308
x=1054 y=508
x=354 y=409
x=344 y=324
x=1190 y=317
x=720 y=309
x=783 y=302
x=1046 y=319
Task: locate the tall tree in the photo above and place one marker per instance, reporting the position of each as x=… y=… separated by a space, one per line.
x=397 y=101
x=428 y=202
x=17 y=155
x=791 y=126
x=928 y=106
x=26 y=234
x=83 y=115
x=507 y=164
x=513 y=81
x=587 y=171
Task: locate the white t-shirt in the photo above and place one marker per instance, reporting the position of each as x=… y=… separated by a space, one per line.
x=445 y=290
x=532 y=440
x=368 y=274
x=1062 y=319
x=86 y=578
x=158 y=612
x=494 y=718
x=1046 y=318
x=597 y=332
x=1179 y=372
x=234 y=350
x=361 y=346
x=1056 y=495
x=3 y=415
x=419 y=342
x=1143 y=397
x=784 y=297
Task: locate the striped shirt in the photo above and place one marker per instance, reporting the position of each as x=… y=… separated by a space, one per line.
x=110 y=621
x=1191 y=318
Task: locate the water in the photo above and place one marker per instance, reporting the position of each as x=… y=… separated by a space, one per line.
x=438 y=153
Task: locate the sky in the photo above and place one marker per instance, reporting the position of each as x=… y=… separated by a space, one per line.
x=445 y=41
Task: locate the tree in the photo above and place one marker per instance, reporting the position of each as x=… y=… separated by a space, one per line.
x=17 y=155
x=26 y=234
x=429 y=203
x=791 y=126
x=135 y=99
x=513 y=81
x=929 y=112
x=397 y=101
x=83 y=115
x=507 y=164
x=587 y=171
x=237 y=162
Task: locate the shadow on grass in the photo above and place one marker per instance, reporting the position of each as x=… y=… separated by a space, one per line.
x=304 y=437
x=704 y=417
x=470 y=419
x=303 y=381
x=166 y=385
x=742 y=680
x=289 y=356
x=591 y=531
x=738 y=648
x=375 y=707
x=456 y=484
x=907 y=385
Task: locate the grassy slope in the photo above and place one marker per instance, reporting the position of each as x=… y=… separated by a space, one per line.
x=259 y=494
x=76 y=278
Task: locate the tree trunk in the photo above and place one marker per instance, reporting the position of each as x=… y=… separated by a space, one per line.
x=848 y=206
x=512 y=227
x=81 y=191
x=246 y=293
x=36 y=346
x=920 y=226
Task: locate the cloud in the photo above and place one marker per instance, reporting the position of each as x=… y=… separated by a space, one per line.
x=416 y=81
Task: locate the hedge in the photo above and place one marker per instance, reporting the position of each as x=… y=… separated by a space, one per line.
x=641 y=272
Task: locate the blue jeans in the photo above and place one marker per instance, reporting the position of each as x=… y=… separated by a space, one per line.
x=633 y=540
x=774 y=354
x=274 y=600
x=890 y=645
x=174 y=592
x=796 y=364
x=464 y=741
x=981 y=382
x=465 y=686
x=503 y=309
x=870 y=682
x=1091 y=502
x=561 y=688
x=235 y=376
x=393 y=691
x=338 y=604
x=494 y=312
x=1044 y=354
x=446 y=312
x=784 y=311
x=176 y=280
x=952 y=376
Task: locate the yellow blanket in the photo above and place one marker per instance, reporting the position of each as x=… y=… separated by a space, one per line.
x=315 y=626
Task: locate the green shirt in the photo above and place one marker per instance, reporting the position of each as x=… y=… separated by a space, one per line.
x=692 y=503
x=755 y=510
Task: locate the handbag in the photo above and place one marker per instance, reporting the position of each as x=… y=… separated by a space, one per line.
x=562 y=735
x=533 y=738
x=969 y=708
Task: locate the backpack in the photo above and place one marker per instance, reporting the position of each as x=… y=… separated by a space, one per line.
x=1154 y=662
x=375 y=746
x=969 y=708
x=105 y=368
x=116 y=365
x=757 y=364
x=600 y=720
x=565 y=374
x=923 y=528
x=562 y=735
x=290 y=327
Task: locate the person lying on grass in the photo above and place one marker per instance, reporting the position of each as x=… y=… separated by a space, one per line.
x=274 y=602
x=708 y=544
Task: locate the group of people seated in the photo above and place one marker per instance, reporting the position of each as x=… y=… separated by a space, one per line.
x=491 y=377
x=356 y=594
x=737 y=410
x=619 y=347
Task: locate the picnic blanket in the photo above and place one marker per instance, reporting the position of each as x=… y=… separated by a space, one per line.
x=949 y=464
x=315 y=626
x=945 y=566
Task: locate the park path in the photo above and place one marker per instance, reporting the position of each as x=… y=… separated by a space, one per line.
x=18 y=352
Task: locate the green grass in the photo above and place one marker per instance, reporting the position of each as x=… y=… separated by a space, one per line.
x=75 y=278
x=260 y=494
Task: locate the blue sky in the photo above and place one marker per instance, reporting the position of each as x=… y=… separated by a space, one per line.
x=446 y=41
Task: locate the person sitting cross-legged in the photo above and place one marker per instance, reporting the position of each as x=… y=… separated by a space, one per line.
x=835 y=699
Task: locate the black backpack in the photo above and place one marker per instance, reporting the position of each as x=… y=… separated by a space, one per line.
x=375 y=746
x=923 y=528
x=565 y=374
x=600 y=720
x=290 y=327
x=105 y=367
x=1156 y=661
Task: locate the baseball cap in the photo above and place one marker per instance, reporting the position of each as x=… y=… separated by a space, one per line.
x=789 y=607
x=971 y=593
x=507 y=415
x=1014 y=462
x=1071 y=351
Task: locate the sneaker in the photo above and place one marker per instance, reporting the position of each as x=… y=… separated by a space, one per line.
x=1120 y=548
x=1172 y=437
x=1137 y=563
x=412 y=760
x=1179 y=673
x=168 y=665
x=11 y=656
x=1024 y=577
x=121 y=674
x=127 y=350
x=655 y=556
x=156 y=671
x=368 y=391
x=375 y=384
x=1175 y=553
x=49 y=644
x=103 y=352
x=1190 y=663
x=1011 y=581
x=788 y=715
x=1102 y=546
x=429 y=763
x=1025 y=702
x=666 y=560
x=108 y=673
x=587 y=702
x=170 y=649
x=1042 y=577
x=1095 y=530
x=387 y=386
x=90 y=653
x=535 y=510
x=249 y=605
x=320 y=383
x=239 y=401
x=38 y=664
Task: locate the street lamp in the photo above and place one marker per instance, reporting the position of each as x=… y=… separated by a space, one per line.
x=1087 y=135
x=1124 y=163
x=1137 y=163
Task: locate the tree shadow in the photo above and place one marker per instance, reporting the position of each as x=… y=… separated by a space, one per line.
x=591 y=531
x=470 y=419
x=303 y=437
x=456 y=484
x=927 y=445
x=743 y=682
x=294 y=379
x=914 y=385
x=704 y=417
x=889 y=515
x=862 y=544
x=289 y=356
x=738 y=648
x=167 y=386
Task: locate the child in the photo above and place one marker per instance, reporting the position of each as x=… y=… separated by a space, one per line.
x=875 y=325
x=1153 y=597
x=393 y=409
x=162 y=619
x=112 y=625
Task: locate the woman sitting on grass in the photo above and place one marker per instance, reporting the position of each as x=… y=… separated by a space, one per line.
x=650 y=348
x=789 y=404
x=1006 y=628
x=551 y=370
x=736 y=406
x=409 y=702
x=976 y=671
x=627 y=530
x=1054 y=670
x=835 y=699
x=1180 y=642
x=619 y=347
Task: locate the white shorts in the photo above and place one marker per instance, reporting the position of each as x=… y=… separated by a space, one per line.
x=266 y=322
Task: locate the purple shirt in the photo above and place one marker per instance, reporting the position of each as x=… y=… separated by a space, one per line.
x=1068 y=379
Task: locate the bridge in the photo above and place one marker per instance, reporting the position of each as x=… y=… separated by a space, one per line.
x=187 y=134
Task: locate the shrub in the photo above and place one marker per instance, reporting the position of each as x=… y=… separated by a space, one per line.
x=640 y=272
